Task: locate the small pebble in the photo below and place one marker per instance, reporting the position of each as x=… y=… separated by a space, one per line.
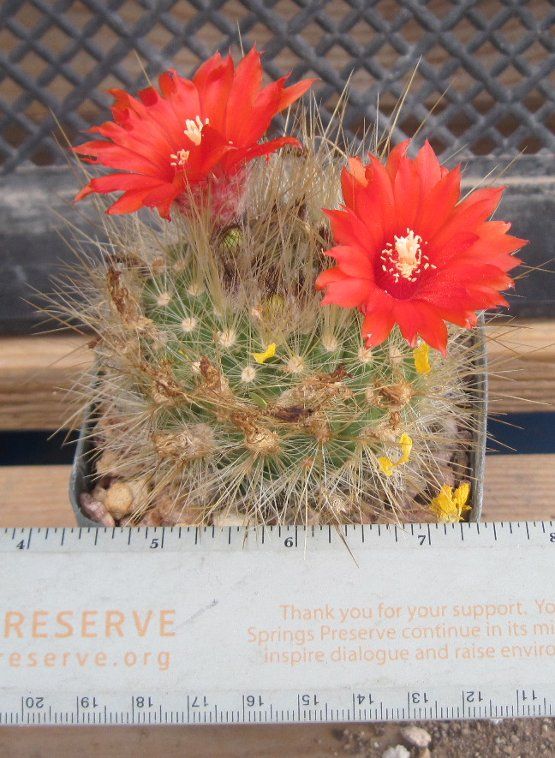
x=396 y=752
x=119 y=499
x=416 y=736
x=231 y=518
x=95 y=510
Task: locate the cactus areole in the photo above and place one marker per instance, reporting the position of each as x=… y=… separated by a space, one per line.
x=225 y=389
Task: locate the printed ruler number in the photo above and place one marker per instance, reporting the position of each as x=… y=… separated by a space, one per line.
x=252 y=701
x=309 y=700
x=473 y=696
x=362 y=699
x=88 y=702
x=418 y=698
x=143 y=701
x=34 y=702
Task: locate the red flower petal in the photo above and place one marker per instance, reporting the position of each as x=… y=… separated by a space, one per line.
x=407 y=190
x=291 y=94
x=129 y=202
x=352 y=261
x=343 y=290
x=378 y=320
x=353 y=177
x=439 y=204
x=213 y=81
x=395 y=157
x=476 y=209
x=117 y=182
x=417 y=318
x=427 y=167
x=349 y=229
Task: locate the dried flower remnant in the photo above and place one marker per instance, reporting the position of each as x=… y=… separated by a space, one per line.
x=421 y=355
x=451 y=505
x=266 y=354
x=387 y=466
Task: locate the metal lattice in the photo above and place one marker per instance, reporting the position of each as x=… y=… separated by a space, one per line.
x=485 y=65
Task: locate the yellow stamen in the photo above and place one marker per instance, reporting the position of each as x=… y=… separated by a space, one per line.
x=403 y=258
x=421 y=355
x=268 y=353
x=450 y=506
x=180 y=158
x=193 y=129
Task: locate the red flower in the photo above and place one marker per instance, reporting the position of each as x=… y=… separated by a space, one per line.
x=191 y=133
x=411 y=252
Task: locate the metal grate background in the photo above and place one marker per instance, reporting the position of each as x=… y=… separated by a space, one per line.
x=485 y=65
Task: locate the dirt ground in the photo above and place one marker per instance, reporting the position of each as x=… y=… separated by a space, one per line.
x=518 y=738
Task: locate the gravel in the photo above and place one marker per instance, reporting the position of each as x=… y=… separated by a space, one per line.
x=516 y=738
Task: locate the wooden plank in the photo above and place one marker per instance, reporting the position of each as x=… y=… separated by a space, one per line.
x=35 y=496
x=32 y=372
x=521 y=366
x=33 y=369
x=519 y=487
x=260 y=741
x=38 y=495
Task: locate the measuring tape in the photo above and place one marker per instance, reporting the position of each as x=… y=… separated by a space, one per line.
x=277 y=625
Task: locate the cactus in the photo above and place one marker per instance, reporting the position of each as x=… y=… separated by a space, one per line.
x=223 y=392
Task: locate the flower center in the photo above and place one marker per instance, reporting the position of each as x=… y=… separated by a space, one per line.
x=193 y=128
x=403 y=258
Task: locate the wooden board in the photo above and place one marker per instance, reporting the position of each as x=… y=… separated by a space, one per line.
x=307 y=741
x=32 y=372
x=33 y=369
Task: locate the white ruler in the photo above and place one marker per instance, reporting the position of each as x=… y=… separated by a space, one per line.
x=276 y=625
